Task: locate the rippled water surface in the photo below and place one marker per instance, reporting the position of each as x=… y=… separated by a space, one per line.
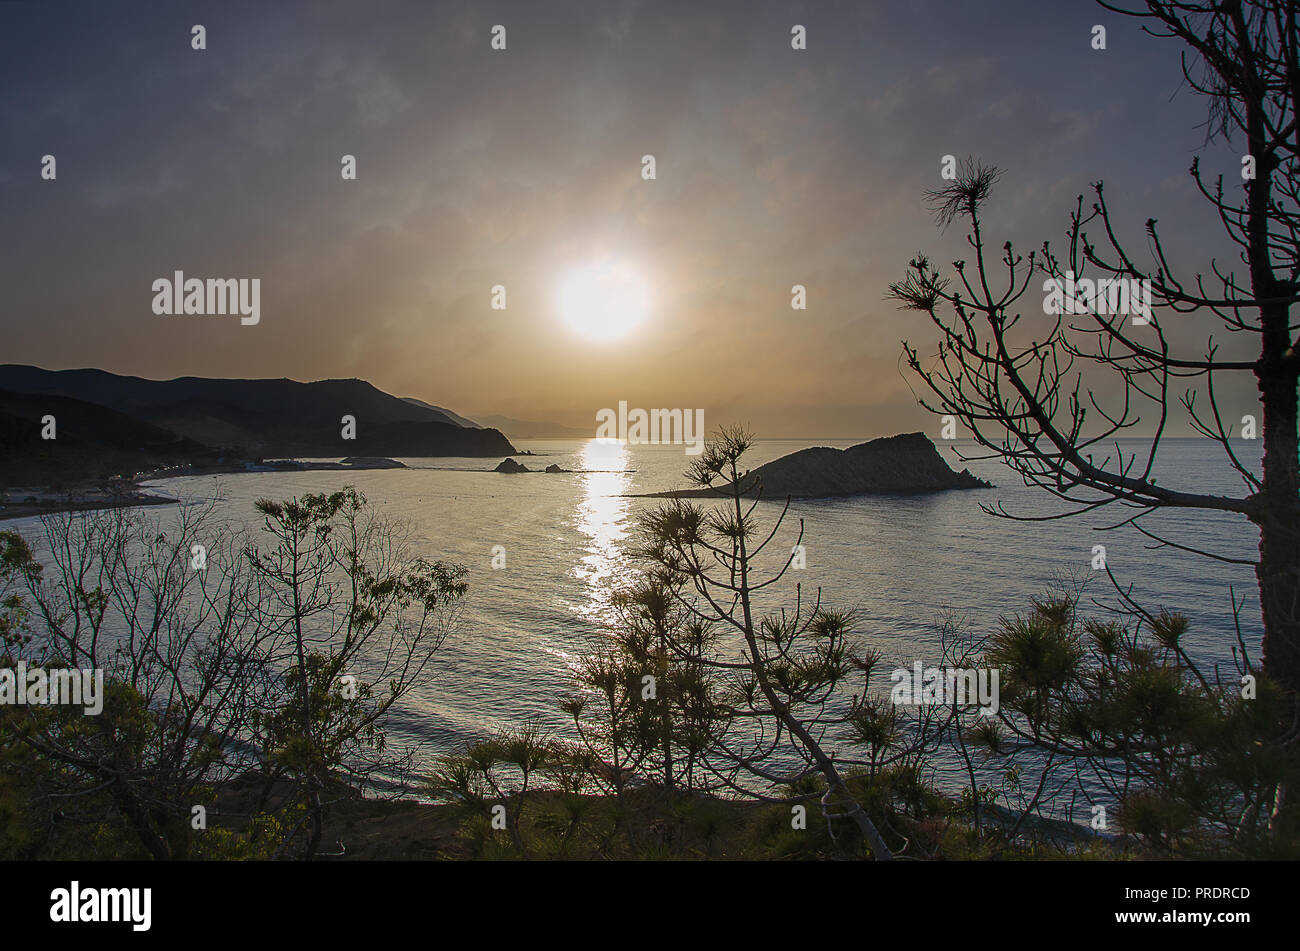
x=904 y=562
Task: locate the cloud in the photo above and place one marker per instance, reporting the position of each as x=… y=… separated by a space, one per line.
x=775 y=167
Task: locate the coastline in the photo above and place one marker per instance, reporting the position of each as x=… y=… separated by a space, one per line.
x=79 y=500
x=24 y=502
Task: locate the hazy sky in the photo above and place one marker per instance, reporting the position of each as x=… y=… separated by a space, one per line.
x=479 y=167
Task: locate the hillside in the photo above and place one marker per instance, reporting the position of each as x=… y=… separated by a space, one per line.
x=451 y=417
x=92 y=442
x=535 y=429
x=266 y=417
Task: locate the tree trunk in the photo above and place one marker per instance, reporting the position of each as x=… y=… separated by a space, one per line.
x=138 y=816
x=1278 y=514
x=1276 y=374
x=834 y=783
x=1278 y=500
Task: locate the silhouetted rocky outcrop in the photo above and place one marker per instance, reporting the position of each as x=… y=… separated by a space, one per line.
x=905 y=464
x=509 y=466
x=372 y=462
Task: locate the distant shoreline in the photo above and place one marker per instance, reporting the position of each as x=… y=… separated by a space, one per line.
x=29 y=501
x=74 y=500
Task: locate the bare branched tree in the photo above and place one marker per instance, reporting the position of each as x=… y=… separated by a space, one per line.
x=181 y=651
x=1017 y=381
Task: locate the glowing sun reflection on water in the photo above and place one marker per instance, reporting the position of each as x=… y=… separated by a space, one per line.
x=603 y=522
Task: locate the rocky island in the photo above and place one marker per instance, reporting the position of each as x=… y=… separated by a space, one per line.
x=906 y=464
x=509 y=466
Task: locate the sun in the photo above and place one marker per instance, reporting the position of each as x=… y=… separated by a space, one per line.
x=604 y=300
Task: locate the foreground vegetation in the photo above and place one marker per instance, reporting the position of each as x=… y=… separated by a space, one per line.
x=249 y=678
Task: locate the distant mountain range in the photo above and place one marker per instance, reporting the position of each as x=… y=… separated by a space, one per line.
x=448 y=414
x=518 y=428
x=534 y=429
x=107 y=424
